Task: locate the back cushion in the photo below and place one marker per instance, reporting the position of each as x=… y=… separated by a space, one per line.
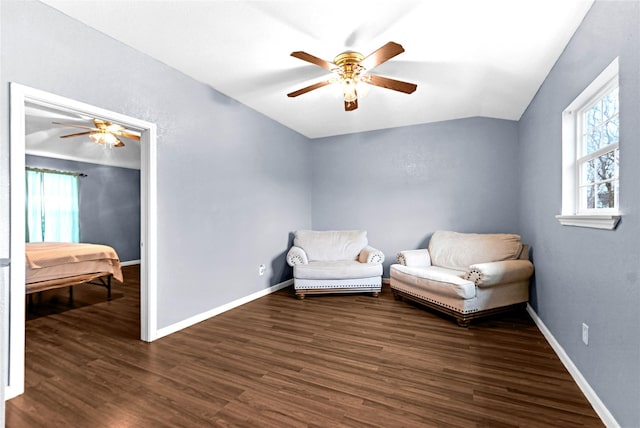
x=460 y=250
x=331 y=244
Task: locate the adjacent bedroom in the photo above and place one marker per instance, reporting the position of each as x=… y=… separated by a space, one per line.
x=82 y=208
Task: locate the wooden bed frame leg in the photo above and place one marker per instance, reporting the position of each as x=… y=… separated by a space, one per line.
x=71 y=294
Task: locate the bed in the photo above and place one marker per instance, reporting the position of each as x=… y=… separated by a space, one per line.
x=51 y=265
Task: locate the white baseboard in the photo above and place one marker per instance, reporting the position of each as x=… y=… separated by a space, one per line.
x=130 y=263
x=589 y=393
x=165 y=331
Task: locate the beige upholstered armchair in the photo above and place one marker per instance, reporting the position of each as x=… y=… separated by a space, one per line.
x=334 y=261
x=465 y=275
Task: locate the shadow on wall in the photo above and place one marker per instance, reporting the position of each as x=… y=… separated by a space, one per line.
x=533 y=296
x=281 y=271
x=425 y=242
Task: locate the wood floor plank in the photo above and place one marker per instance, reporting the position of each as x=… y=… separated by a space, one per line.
x=339 y=361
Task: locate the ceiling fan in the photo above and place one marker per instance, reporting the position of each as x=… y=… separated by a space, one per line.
x=103 y=132
x=352 y=68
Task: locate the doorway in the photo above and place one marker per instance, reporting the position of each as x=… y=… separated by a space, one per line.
x=21 y=96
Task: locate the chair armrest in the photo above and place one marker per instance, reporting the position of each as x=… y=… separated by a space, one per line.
x=414 y=258
x=502 y=272
x=297 y=256
x=370 y=255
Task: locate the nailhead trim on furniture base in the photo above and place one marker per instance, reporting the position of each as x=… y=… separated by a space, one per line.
x=304 y=286
x=462 y=319
x=300 y=294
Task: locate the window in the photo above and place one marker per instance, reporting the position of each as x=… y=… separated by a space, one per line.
x=52 y=213
x=591 y=156
x=598 y=154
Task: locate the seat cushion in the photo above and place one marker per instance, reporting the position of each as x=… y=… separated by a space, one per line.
x=331 y=245
x=434 y=280
x=344 y=269
x=458 y=251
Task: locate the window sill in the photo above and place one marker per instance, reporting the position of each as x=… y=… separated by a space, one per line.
x=608 y=222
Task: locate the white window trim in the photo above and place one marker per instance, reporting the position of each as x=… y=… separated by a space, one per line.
x=608 y=222
x=600 y=219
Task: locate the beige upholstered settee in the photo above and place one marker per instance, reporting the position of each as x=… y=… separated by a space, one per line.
x=335 y=261
x=465 y=275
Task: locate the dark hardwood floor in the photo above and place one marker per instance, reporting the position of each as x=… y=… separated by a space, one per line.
x=326 y=361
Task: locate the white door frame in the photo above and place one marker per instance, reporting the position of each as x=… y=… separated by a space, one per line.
x=20 y=94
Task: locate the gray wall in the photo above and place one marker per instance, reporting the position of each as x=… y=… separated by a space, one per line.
x=588 y=275
x=109 y=203
x=403 y=184
x=232 y=184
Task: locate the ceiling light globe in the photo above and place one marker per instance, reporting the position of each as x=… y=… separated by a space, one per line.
x=349 y=90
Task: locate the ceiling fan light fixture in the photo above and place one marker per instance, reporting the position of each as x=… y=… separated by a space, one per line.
x=349 y=90
x=350 y=68
x=104 y=133
x=351 y=73
x=105 y=138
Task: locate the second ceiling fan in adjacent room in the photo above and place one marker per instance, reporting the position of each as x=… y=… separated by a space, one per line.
x=103 y=132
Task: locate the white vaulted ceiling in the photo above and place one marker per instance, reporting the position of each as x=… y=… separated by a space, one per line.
x=468 y=57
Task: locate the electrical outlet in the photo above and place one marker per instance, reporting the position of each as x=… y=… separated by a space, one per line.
x=585 y=333
x=261 y=270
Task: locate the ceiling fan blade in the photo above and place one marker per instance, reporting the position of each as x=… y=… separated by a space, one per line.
x=309 y=88
x=119 y=143
x=381 y=55
x=127 y=135
x=351 y=105
x=75 y=126
x=396 y=85
x=76 y=135
x=313 y=60
x=101 y=124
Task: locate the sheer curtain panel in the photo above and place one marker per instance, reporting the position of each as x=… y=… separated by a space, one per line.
x=52 y=207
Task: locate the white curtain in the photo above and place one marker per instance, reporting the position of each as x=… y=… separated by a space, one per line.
x=52 y=208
